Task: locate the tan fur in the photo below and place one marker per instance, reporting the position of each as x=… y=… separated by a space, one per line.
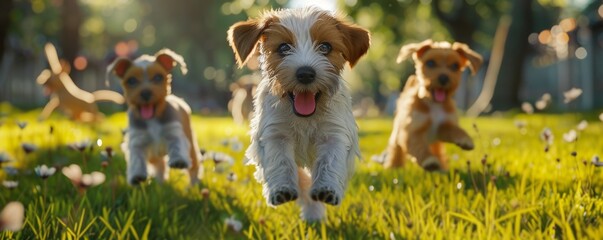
x=422 y=123
x=76 y=103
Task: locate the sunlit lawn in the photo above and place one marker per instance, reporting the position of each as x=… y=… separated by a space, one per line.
x=525 y=192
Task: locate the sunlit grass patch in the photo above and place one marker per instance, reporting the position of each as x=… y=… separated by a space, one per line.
x=510 y=186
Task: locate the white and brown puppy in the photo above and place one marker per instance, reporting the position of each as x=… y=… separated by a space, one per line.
x=426 y=112
x=158 y=122
x=304 y=139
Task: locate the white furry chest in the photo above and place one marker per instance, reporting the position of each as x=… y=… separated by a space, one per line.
x=437 y=116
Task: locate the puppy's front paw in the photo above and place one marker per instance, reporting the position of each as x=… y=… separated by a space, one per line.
x=136 y=179
x=431 y=164
x=282 y=195
x=178 y=162
x=326 y=195
x=465 y=143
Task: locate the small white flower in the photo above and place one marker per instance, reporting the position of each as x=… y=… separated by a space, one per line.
x=11 y=217
x=233 y=224
x=220 y=157
x=74 y=173
x=520 y=124
x=44 y=171
x=547 y=136
x=570 y=136
x=582 y=125
x=601 y=117
x=10 y=184
x=572 y=94
x=527 y=108
x=544 y=101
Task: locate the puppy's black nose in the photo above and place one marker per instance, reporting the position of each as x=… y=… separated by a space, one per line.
x=146 y=94
x=443 y=79
x=305 y=75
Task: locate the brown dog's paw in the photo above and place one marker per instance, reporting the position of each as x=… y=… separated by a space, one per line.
x=282 y=195
x=431 y=164
x=465 y=143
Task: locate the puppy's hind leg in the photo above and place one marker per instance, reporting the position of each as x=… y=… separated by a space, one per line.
x=311 y=210
x=159 y=167
x=395 y=156
x=178 y=145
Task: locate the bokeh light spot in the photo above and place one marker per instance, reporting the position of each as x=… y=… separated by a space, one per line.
x=130 y=25
x=581 y=53
x=545 y=37
x=80 y=63
x=121 y=49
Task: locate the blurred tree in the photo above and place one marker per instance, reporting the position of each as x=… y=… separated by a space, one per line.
x=71 y=20
x=6 y=6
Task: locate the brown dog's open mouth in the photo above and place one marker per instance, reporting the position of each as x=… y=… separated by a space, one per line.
x=439 y=94
x=304 y=103
x=147 y=111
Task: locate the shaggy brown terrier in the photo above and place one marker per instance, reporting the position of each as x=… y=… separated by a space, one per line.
x=76 y=103
x=159 y=123
x=426 y=115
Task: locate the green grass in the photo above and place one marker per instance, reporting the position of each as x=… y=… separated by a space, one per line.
x=521 y=192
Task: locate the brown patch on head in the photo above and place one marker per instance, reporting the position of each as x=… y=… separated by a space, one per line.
x=349 y=42
x=244 y=36
x=471 y=59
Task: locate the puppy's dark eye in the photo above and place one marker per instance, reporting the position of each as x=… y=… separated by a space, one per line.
x=131 y=82
x=430 y=63
x=158 y=78
x=455 y=67
x=284 y=49
x=324 y=48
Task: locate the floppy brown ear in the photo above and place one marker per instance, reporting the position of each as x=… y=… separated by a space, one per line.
x=243 y=38
x=472 y=59
x=119 y=67
x=418 y=49
x=168 y=60
x=356 y=39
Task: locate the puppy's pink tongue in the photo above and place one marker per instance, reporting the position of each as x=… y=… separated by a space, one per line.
x=439 y=95
x=304 y=103
x=146 y=111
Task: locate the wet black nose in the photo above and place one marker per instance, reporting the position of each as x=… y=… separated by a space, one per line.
x=146 y=94
x=305 y=75
x=443 y=79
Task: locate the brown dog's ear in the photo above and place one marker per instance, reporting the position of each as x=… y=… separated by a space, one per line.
x=119 y=67
x=168 y=60
x=356 y=39
x=414 y=48
x=244 y=36
x=472 y=59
